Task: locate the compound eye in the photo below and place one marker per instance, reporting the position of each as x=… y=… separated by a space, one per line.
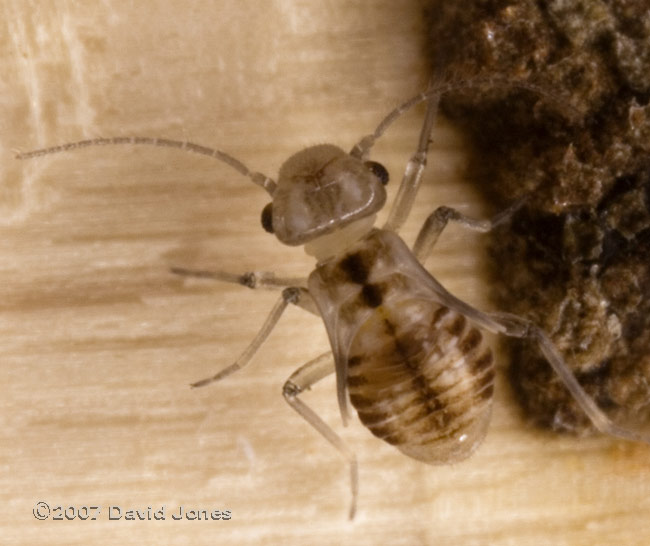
x=378 y=170
x=267 y=218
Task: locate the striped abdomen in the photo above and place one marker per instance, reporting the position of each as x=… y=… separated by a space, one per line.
x=421 y=378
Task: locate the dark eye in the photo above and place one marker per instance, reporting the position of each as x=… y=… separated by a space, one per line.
x=378 y=170
x=267 y=218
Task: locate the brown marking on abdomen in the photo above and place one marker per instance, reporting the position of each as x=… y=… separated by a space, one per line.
x=422 y=380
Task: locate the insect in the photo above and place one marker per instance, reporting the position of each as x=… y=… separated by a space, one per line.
x=408 y=355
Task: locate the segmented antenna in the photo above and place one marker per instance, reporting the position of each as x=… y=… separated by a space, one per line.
x=362 y=148
x=258 y=178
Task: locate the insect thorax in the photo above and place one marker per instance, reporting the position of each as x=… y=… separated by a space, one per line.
x=419 y=375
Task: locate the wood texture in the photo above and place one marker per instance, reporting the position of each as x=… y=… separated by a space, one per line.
x=99 y=341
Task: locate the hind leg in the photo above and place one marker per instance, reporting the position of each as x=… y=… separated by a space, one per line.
x=292 y=295
x=299 y=381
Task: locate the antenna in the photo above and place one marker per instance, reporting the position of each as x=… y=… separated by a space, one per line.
x=258 y=178
x=362 y=148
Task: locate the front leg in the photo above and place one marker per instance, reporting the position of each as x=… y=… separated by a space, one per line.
x=412 y=178
x=254 y=280
x=250 y=279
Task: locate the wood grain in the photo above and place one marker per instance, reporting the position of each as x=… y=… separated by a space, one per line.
x=99 y=342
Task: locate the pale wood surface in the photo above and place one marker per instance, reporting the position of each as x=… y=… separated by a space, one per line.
x=99 y=342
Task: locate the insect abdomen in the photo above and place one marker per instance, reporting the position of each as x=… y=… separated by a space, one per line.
x=421 y=378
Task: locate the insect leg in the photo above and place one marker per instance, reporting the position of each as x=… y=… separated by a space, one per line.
x=518 y=327
x=438 y=219
x=294 y=295
x=300 y=380
x=250 y=279
x=266 y=280
x=413 y=172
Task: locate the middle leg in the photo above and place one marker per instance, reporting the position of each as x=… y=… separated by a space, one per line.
x=439 y=218
x=294 y=295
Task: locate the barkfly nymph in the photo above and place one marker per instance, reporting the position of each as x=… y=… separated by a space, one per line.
x=408 y=355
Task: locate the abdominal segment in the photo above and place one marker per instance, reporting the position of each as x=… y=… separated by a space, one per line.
x=421 y=378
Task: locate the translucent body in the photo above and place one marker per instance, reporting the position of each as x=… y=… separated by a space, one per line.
x=419 y=376
x=322 y=189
